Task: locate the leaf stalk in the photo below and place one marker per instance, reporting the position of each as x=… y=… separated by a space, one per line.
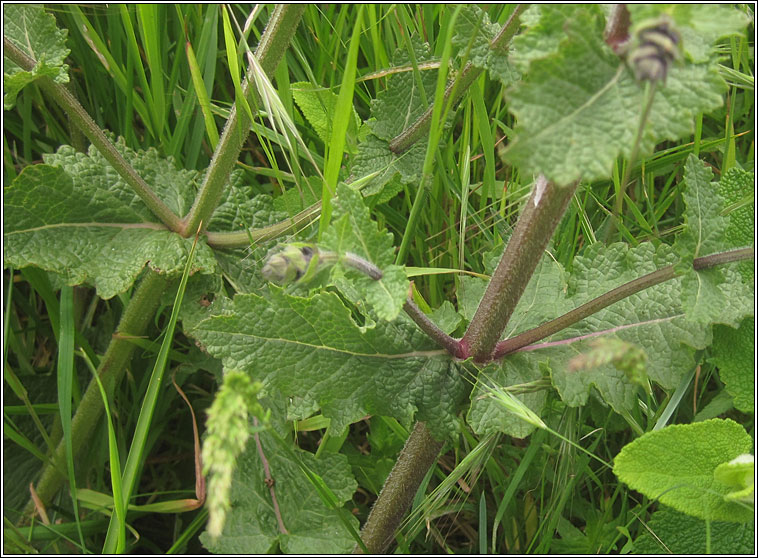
x=522 y=340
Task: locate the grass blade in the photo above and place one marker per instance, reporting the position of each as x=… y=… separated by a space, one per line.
x=65 y=381
x=142 y=430
x=202 y=97
x=343 y=113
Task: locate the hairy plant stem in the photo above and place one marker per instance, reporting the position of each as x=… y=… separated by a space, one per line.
x=239 y=239
x=587 y=309
x=274 y=42
x=418 y=455
x=136 y=317
x=538 y=220
x=458 y=86
x=79 y=118
x=426 y=325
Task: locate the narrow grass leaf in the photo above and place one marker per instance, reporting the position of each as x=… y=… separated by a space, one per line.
x=232 y=59
x=65 y=381
x=343 y=114
x=202 y=97
x=142 y=430
x=119 y=505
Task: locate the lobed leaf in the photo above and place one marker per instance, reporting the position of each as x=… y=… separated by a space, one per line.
x=394 y=110
x=704 y=234
x=312 y=351
x=77 y=217
x=34 y=31
x=579 y=109
x=473 y=35
x=318 y=105
x=352 y=230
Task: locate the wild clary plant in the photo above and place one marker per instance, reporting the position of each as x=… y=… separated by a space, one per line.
x=340 y=333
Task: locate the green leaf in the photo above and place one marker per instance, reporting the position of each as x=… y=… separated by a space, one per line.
x=737 y=188
x=543 y=34
x=394 y=110
x=252 y=526
x=676 y=466
x=580 y=107
x=672 y=532
x=473 y=35
x=78 y=218
x=317 y=105
x=739 y=473
x=486 y=416
x=704 y=227
x=33 y=31
x=240 y=207
x=703 y=235
x=311 y=350
x=653 y=319
x=700 y=25
x=446 y=317
x=733 y=352
x=543 y=300
x=294 y=200
x=352 y=230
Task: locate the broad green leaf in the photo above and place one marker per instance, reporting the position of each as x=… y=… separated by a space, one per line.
x=374 y=155
x=75 y=216
x=312 y=351
x=352 y=230
x=394 y=110
x=470 y=291
x=240 y=207
x=653 y=319
x=542 y=300
x=543 y=33
x=317 y=105
x=473 y=34
x=446 y=317
x=733 y=351
x=676 y=466
x=671 y=532
x=580 y=108
x=252 y=526
x=704 y=227
x=704 y=234
x=34 y=32
x=737 y=188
